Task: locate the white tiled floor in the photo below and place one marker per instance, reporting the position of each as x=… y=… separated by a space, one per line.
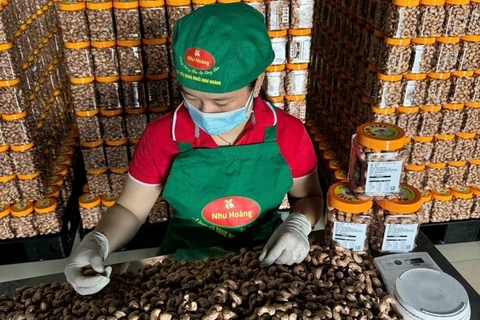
x=465 y=257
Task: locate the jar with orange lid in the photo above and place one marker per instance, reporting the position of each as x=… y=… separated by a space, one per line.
x=47 y=216
x=296 y=80
x=117 y=179
x=452 y=118
x=6 y=162
x=31 y=186
x=468 y=58
x=464 y=146
x=127 y=20
x=133 y=91
x=457 y=13
x=475 y=214
x=408 y=119
x=26 y=159
x=431 y=18
x=98 y=181
x=444 y=145
x=12 y=97
x=52 y=191
x=435 y=175
x=277 y=15
x=90 y=210
x=427 y=202
x=414 y=175
x=376 y=43
x=298 y=47
x=73 y=22
x=108 y=92
x=279 y=45
x=401 y=19
x=156 y=56
x=160 y=211
x=348 y=218
x=457 y=174
x=62 y=171
x=5 y=218
x=22 y=222
x=396 y=222
x=325 y=159
x=197 y=4
x=340 y=175
x=105 y=58
x=10 y=66
x=100 y=21
x=158 y=94
x=177 y=9
x=415 y=90
x=132 y=143
x=422 y=149
x=154 y=19
x=89 y=126
x=473 y=174
x=117 y=153
x=334 y=166
x=130 y=57
x=296 y=106
x=448 y=49
x=9 y=192
x=301 y=15
x=463 y=202
x=394 y=56
x=461 y=88
x=136 y=122
x=17 y=128
x=278 y=102
x=430 y=120
x=375 y=114
x=274 y=83
x=376 y=150
x=94 y=155
x=473 y=26
x=387 y=91
x=83 y=95
x=113 y=124
x=78 y=59
x=471 y=120
x=438 y=89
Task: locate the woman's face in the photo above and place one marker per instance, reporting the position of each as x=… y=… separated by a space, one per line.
x=217 y=102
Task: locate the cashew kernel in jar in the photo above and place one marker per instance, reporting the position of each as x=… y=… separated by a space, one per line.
x=6 y=231
x=463 y=202
x=22 y=223
x=90 y=210
x=442 y=207
x=46 y=217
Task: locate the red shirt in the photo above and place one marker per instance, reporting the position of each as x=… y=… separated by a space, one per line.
x=156 y=150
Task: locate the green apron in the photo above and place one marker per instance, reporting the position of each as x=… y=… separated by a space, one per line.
x=224 y=198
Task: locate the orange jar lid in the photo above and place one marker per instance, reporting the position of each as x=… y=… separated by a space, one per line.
x=77 y=45
x=111 y=112
x=97 y=171
x=89 y=113
x=397 y=42
x=423 y=40
x=99 y=6
x=4 y=179
x=457 y=2
x=409 y=201
x=426 y=196
x=464 y=135
x=408 y=109
x=341 y=175
x=457 y=163
x=335 y=164
x=67 y=150
x=413 y=76
x=89 y=201
x=103 y=44
x=440 y=76
x=462 y=192
x=151 y=3
x=92 y=144
x=329 y=155
x=277 y=34
x=28 y=176
x=297 y=66
x=411 y=167
x=46 y=205
x=9 y=83
x=161 y=109
x=474 y=161
x=299 y=32
x=6 y=46
x=60 y=169
x=129 y=43
x=132 y=78
x=153 y=42
x=4 y=209
x=476 y=190
x=86 y=188
x=472 y=104
x=55 y=181
x=135 y=110
x=109 y=201
x=52 y=192
x=125 y=5
x=340 y=196
x=388 y=78
x=431 y=108
x=119 y=170
x=23 y=148
x=116 y=143
x=432 y=2
x=422 y=139
x=381 y=136
x=71 y=6
x=406 y=3
x=177 y=3
x=16 y=116
x=161 y=76
x=277 y=99
x=133 y=140
x=448 y=39
x=4 y=148
x=107 y=79
x=276 y=68
x=462 y=74
x=324 y=146
x=445 y=137
x=436 y=165
x=383 y=111
x=22 y=208
x=295 y=98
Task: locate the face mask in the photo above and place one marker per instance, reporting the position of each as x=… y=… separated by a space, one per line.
x=221 y=122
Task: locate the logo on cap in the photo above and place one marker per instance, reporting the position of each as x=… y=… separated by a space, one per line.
x=199 y=59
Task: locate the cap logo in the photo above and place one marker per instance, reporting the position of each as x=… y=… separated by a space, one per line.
x=199 y=59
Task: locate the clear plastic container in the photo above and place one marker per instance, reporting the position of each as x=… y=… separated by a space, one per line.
x=117 y=177
x=374 y=114
x=475 y=214
x=113 y=124
x=156 y=56
x=415 y=90
x=469 y=56
x=26 y=159
x=47 y=216
x=9 y=192
x=160 y=211
x=461 y=88
x=9 y=62
x=17 y=129
x=408 y=119
x=431 y=18
x=100 y=21
x=464 y=147
x=279 y=45
x=452 y=118
x=301 y=16
x=388 y=91
x=23 y=223
x=136 y=122
x=154 y=19
x=397 y=218
x=176 y=9
x=448 y=49
x=158 y=94
x=296 y=106
x=94 y=155
x=5 y=217
x=438 y=89
x=31 y=186
x=394 y=56
x=299 y=43
x=83 y=95
x=422 y=149
x=426 y=205
x=471 y=121
x=105 y=59
x=108 y=92
x=463 y=202
x=130 y=57
x=127 y=20
x=98 y=182
x=90 y=210
x=277 y=15
x=376 y=44
x=473 y=26
x=133 y=90
x=73 y=22
x=376 y=142
x=476 y=87
x=443 y=149
x=6 y=164
x=456 y=176
x=296 y=80
x=117 y=153
x=348 y=218
x=274 y=83
x=423 y=55
x=12 y=97
x=78 y=59
x=457 y=13
x=89 y=125
x=401 y=20
x=278 y=102
x=435 y=175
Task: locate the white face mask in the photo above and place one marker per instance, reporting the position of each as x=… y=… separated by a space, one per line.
x=220 y=122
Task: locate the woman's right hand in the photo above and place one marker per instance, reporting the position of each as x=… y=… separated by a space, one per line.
x=92 y=251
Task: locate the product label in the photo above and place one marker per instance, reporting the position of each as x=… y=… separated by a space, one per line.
x=231 y=212
x=350 y=235
x=399 y=237
x=381 y=131
x=383 y=177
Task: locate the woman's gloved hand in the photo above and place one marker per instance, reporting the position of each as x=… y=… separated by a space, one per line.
x=289 y=243
x=92 y=251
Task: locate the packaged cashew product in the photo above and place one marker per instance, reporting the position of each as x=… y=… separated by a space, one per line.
x=348 y=218
x=376 y=44
x=457 y=13
x=375 y=114
x=394 y=56
x=12 y=97
x=22 y=222
x=54 y=193
x=408 y=118
x=108 y=201
x=426 y=205
x=296 y=106
x=66 y=160
x=133 y=90
x=17 y=129
x=26 y=159
x=105 y=58
x=444 y=145
x=452 y=118
x=464 y=146
x=296 y=80
x=46 y=216
x=89 y=125
x=100 y=21
x=438 y=89
x=274 y=83
x=62 y=171
x=158 y=95
x=78 y=59
x=375 y=151
x=132 y=143
x=6 y=162
x=435 y=175
x=462 y=203
x=299 y=43
x=333 y=166
x=401 y=19
x=130 y=57
x=117 y=179
x=278 y=102
x=98 y=181
x=57 y=180
x=10 y=66
x=154 y=19
x=277 y=15
x=82 y=92
x=415 y=90
x=127 y=20
x=117 y=153
x=113 y=124
x=431 y=18
x=414 y=175
x=471 y=121
x=9 y=192
x=473 y=175
x=176 y=9
x=475 y=214
x=160 y=211
x=90 y=210
x=326 y=157
x=457 y=171
x=31 y=186
x=5 y=218
x=461 y=87
x=469 y=55
x=156 y=56
x=279 y=45
x=430 y=120
x=473 y=25
x=301 y=15
x=388 y=91
x=422 y=149
x=108 y=92
x=396 y=222
x=260 y=6
x=73 y=22
x=448 y=49
x=423 y=55
x=94 y=155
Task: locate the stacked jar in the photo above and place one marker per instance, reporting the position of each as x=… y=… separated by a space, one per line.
x=154 y=19
x=6 y=231
x=22 y=221
x=90 y=210
x=158 y=94
x=127 y=20
x=177 y=9
x=47 y=216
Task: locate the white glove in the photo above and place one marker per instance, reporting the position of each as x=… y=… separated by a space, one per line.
x=91 y=252
x=289 y=243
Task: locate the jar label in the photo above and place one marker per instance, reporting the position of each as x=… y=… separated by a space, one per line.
x=88 y=197
x=351 y=236
x=464 y=190
x=399 y=237
x=381 y=131
x=3 y=206
x=383 y=177
x=44 y=203
x=406 y=194
x=21 y=206
x=345 y=192
x=441 y=191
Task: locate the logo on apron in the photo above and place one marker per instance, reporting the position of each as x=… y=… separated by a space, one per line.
x=231 y=212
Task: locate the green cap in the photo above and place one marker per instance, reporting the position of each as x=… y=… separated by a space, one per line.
x=221 y=48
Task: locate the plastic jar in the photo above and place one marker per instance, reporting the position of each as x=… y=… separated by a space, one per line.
x=464 y=146
x=94 y=155
x=274 y=83
x=476 y=87
x=471 y=121
x=117 y=177
x=113 y=124
x=408 y=119
x=296 y=80
x=6 y=162
x=154 y=19
x=388 y=91
x=431 y=18
x=9 y=192
x=376 y=44
x=160 y=211
x=422 y=150
x=448 y=49
x=438 y=89
x=156 y=56
x=108 y=92
x=278 y=102
x=473 y=26
x=461 y=88
x=130 y=57
x=452 y=118
x=414 y=175
x=47 y=217
x=376 y=145
x=301 y=16
x=296 y=106
x=415 y=90
x=26 y=159
x=12 y=97
x=133 y=91
x=54 y=193
x=98 y=181
x=78 y=59
x=108 y=202
x=73 y=22
x=132 y=143
x=5 y=218
x=197 y=4
x=31 y=186
x=462 y=203
x=90 y=210
x=366 y=38
x=117 y=153
x=426 y=205
x=396 y=222
x=435 y=175
x=469 y=55
x=473 y=175
x=66 y=160
x=176 y=9
x=401 y=19
x=105 y=59
x=379 y=115
x=279 y=45
x=158 y=93
x=443 y=148
x=277 y=15
x=457 y=13
x=475 y=214
x=423 y=55
x=83 y=95
x=299 y=42
x=456 y=176
x=136 y=122
x=394 y=56
x=89 y=125
x=9 y=67
x=17 y=129
x=127 y=20
x=22 y=222
x=100 y=21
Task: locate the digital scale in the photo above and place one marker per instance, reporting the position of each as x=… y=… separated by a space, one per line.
x=422 y=290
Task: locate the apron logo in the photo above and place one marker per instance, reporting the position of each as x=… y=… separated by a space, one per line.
x=231 y=212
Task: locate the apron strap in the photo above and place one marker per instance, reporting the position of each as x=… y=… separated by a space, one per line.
x=271 y=132
x=184 y=146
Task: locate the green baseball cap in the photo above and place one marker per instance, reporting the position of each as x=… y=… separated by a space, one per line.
x=221 y=48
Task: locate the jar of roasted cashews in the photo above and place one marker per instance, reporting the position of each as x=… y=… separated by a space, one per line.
x=401 y=19
x=444 y=145
x=408 y=118
x=475 y=214
x=274 y=83
x=414 y=175
x=396 y=222
x=431 y=18
x=422 y=148
x=127 y=20
x=473 y=175
x=117 y=178
x=5 y=218
x=457 y=171
x=53 y=192
x=462 y=203
x=435 y=175
x=47 y=217
x=426 y=205
x=90 y=210
x=94 y=155
x=279 y=45
x=197 y=4
x=177 y=9
x=160 y=211
x=442 y=205
x=348 y=218
x=60 y=183
x=23 y=223
x=98 y=181
x=277 y=14
x=154 y=19
x=108 y=202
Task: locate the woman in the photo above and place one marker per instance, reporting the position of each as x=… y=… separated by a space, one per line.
x=224 y=159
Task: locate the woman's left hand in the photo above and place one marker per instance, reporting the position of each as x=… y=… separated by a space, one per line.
x=289 y=243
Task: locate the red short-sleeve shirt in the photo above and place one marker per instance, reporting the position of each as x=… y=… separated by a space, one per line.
x=156 y=150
